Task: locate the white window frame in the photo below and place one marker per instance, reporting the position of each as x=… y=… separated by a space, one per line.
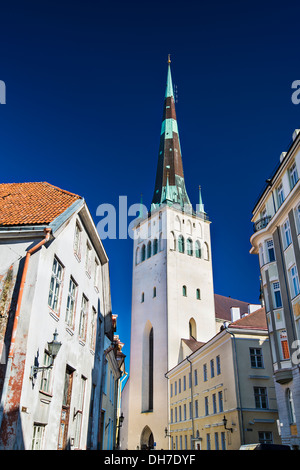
x=287 y=237
x=294 y=281
x=293 y=173
x=71 y=303
x=55 y=285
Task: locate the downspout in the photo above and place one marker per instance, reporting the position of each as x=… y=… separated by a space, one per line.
x=47 y=231
x=242 y=432
x=192 y=404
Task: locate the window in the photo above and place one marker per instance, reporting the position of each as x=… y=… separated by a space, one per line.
x=218 y=363
x=280 y=194
x=96 y=273
x=184 y=412
x=38 y=436
x=223 y=441
x=149 y=249
x=196 y=377
x=46 y=374
x=155 y=246
x=290 y=406
x=184 y=382
x=297 y=217
x=198 y=294
x=189 y=247
x=276 y=295
x=175 y=388
x=197 y=249
x=293 y=175
x=260 y=397
x=70 y=310
x=83 y=317
x=220 y=398
x=206 y=406
x=88 y=258
x=256 y=358
x=284 y=345
x=214 y=399
x=294 y=281
x=93 y=328
x=287 y=239
x=204 y=372
x=212 y=368
x=270 y=248
x=55 y=285
x=184 y=291
x=216 y=441
x=77 y=240
x=265 y=437
x=208 y=442
x=142 y=297
x=179 y=385
x=78 y=413
x=143 y=254
x=181 y=244
x=154 y=291
x=196 y=409
x=179 y=410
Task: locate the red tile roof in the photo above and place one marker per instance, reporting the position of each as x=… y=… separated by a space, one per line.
x=254 y=321
x=32 y=203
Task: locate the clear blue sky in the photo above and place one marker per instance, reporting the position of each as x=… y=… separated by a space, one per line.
x=85 y=86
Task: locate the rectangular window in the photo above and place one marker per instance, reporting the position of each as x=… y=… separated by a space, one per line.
x=294 y=281
x=206 y=406
x=204 y=372
x=212 y=368
x=280 y=194
x=223 y=441
x=196 y=376
x=180 y=417
x=179 y=385
x=175 y=388
x=83 y=317
x=256 y=358
x=265 y=437
x=220 y=397
x=55 y=285
x=218 y=362
x=38 y=436
x=184 y=412
x=260 y=396
x=70 y=310
x=287 y=238
x=46 y=373
x=77 y=240
x=271 y=252
x=284 y=345
x=171 y=392
x=96 y=273
x=88 y=258
x=216 y=441
x=293 y=175
x=207 y=441
x=184 y=382
x=79 y=412
x=190 y=409
x=214 y=398
x=196 y=409
x=276 y=295
x=93 y=328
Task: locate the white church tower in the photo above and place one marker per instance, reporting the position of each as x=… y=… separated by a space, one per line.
x=172 y=291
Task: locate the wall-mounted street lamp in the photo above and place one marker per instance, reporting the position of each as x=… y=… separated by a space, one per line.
x=225 y=423
x=53 y=348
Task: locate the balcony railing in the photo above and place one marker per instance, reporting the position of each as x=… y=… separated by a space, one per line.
x=261 y=223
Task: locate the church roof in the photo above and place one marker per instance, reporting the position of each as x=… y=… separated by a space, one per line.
x=170 y=184
x=255 y=321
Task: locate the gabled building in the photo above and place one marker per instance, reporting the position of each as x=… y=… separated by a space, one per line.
x=54 y=283
x=222 y=394
x=276 y=225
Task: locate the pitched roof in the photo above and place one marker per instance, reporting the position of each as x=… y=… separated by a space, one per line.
x=223 y=305
x=255 y=320
x=192 y=343
x=32 y=203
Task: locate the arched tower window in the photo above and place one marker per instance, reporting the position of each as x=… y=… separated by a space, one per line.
x=147 y=368
x=198 y=294
x=155 y=246
x=189 y=247
x=143 y=254
x=206 y=251
x=172 y=241
x=192 y=328
x=181 y=244
x=137 y=255
x=184 y=291
x=197 y=249
x=177 y=224
x=149 y=249
x=161 y=247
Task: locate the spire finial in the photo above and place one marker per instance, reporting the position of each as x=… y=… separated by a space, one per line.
x=169 y=58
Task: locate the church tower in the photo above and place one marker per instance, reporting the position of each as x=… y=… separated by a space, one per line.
x=172 y=289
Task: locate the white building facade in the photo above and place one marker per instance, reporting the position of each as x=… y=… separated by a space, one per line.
x=172 y=291
x=63 y=286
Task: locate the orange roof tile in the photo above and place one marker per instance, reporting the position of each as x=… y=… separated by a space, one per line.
x=32 y=203
x=255 y=320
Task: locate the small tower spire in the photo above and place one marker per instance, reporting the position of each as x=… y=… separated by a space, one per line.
x=201 y=205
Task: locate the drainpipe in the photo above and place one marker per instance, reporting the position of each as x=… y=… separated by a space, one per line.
x=47 y=231
x=242 y=431
x=193 y=424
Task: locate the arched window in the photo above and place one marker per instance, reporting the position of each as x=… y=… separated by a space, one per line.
x=137 y=255
x=177 y=224
x=154 y=291
x=147 y=368
x=142 y=297
x=198 y=294
x=160 y=221
x=181 y=244
x=143 y=254
x=197 y=249
x=149 y=249
x=155 y=246
x=192 y=328
x=161 y=247
x=172 y=241
x=206 y=251
x=189 y=247
x=189 y=227
x=184 y=291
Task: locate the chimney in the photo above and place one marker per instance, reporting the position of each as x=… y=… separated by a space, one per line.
x=235 y=313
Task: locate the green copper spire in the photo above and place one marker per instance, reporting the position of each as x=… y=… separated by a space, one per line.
x=201 y=205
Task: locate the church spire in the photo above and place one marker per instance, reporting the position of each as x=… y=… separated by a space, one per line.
x=169 y=173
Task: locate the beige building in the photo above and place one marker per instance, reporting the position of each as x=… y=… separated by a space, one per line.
x=276 y=224
x=230 y=377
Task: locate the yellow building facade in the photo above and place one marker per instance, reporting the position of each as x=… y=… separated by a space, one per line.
x=222 y=394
